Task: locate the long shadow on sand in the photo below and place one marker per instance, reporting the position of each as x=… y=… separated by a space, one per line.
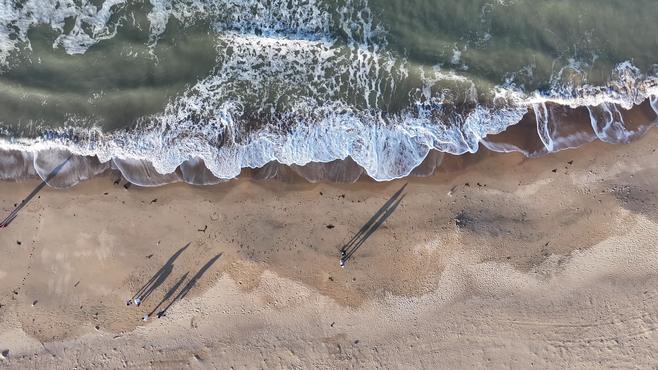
x=348 y=250
x=170 y=293
x=186 y=289
x=34 y=192
x=156 y=280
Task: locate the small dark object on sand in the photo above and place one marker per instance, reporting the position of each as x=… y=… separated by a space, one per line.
x=18 y=242
x=5 y=353
x=204 y=229
x=330 y=226
x=154 y=200
x=462 y=219
x=126 y=185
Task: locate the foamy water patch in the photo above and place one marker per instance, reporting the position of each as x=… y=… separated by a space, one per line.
x=90 y=23
x=298 y=83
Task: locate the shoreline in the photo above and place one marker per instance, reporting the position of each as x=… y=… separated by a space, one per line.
x=541 y=130
x=475 y=260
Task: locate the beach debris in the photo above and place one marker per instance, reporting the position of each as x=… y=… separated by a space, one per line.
x=126 y=185
x=149 y=256
x=5 y=354
x=146 y=317
x=18 y=242
x=76 y=284
x=330 y=226
x=117 y=181
x=214 y=216
x=462 y=219
x=205 y=227
x=35 y=303
x=554 y=170
x=154 y=200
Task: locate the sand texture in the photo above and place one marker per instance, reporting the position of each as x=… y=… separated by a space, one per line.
x=507 y=263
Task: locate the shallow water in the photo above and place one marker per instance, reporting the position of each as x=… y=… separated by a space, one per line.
x=196 y=91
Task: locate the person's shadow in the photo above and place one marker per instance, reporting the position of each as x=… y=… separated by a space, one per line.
x=34 y=192
x=186 y=289
x=348 y=250
x=156 y=280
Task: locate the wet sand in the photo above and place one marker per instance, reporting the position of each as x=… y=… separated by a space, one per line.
x=548 y=262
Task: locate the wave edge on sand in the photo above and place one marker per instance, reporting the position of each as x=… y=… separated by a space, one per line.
x=383 y=152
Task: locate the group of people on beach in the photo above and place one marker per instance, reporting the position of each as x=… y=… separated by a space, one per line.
x=137 y=301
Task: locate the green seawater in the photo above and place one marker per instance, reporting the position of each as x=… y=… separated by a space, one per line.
x=298 y=81
x=122 y=78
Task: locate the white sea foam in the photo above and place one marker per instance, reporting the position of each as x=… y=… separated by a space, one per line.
x=91 y=24
x=321 y=98
x=386 y=147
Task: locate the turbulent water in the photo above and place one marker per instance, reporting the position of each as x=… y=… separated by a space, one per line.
x=198 y=90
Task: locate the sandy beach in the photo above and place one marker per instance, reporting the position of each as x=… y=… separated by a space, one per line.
x=507 y=263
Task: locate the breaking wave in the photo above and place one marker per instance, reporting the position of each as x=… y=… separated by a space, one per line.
x=316 y=90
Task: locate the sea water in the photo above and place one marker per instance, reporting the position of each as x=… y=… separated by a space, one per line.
x=199 y=90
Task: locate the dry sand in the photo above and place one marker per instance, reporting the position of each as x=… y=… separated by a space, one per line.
x=511 y=263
